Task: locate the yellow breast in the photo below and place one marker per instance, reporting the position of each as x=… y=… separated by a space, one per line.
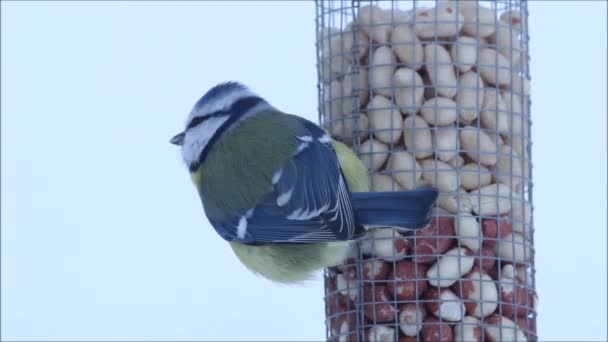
x=353 y=168
x=197 y=176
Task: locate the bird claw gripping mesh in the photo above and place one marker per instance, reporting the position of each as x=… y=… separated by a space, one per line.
x=434 y=93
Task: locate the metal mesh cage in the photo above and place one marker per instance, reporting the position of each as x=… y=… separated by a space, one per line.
x=434 y=92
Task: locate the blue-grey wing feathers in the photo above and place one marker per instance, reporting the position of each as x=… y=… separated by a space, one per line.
x=310 y=201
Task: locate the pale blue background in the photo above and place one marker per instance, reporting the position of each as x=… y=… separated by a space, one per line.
x=103 y=237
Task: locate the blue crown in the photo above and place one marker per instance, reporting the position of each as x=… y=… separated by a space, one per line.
x=219 y=90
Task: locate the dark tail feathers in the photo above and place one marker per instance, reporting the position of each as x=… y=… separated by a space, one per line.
x=403 y=209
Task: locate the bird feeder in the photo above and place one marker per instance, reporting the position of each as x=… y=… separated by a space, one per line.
x=434 y=93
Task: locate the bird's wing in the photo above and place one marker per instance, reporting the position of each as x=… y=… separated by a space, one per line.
x=310 y=201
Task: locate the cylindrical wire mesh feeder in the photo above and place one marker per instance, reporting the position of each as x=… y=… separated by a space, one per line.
x=434 y=93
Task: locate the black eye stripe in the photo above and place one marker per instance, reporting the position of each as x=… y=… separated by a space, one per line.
x=237 y=110
x=200 y=119
x=196 y=121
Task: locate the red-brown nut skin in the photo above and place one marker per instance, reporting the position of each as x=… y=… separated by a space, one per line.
x=493 y=272
x=368 y=334
x=335 y=304
x=376 y=303
x=402 y=244
x=487 y=261
x=349 y=318
x=376 y=269
x=404 y=338
x=334 y=301
x=349 y=268
x=470 y=333
x=517 y=302
x=435 y=297
x=493 y=319
x=407 y=316
x=431 y=298
x=385 y=244
x=340 y=309
x=465 y=287
x=434 y=330
x=429 y=243
x=381 y=268
x=330 y=285
x=493 y=229
x=528 y=326
x=500 y=321
x=405 y=287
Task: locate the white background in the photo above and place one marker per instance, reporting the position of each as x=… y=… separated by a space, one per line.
x=103 y=236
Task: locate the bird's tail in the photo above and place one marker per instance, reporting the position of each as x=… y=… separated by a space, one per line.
x=400 y=209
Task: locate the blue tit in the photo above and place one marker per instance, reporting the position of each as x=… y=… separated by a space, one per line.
x=277 y=187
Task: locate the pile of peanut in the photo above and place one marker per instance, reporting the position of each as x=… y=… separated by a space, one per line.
x=443 y=101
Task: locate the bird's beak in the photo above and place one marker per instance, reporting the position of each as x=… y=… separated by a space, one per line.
x=178 y=139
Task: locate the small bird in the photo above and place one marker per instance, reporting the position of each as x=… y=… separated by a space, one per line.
x=287 y=197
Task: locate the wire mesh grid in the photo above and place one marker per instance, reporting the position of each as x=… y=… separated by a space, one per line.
x=434 y=92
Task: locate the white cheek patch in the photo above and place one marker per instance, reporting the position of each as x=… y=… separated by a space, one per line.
x=198 y=137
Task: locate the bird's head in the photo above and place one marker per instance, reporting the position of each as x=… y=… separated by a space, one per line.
x=219 y=110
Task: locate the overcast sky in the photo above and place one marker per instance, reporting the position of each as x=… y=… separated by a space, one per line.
x=103 y=236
